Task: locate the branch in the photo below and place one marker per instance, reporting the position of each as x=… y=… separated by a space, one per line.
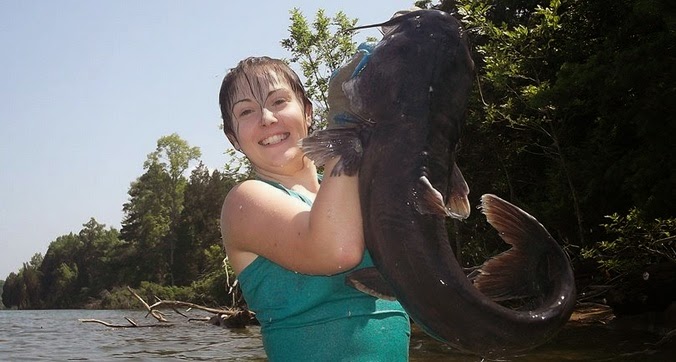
x=131 y=325
x=230 y=318
x=158 y=315
x=177 y=303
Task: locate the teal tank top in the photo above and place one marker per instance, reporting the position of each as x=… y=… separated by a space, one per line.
x=319 y=318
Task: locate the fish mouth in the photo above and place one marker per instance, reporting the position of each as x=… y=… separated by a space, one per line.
x=274 y=139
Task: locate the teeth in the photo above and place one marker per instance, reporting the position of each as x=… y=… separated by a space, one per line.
x=274 y=139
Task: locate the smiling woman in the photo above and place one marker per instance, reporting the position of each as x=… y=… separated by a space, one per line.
x=290 y=241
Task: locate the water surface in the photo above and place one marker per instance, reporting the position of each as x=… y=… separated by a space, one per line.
x=57 y=335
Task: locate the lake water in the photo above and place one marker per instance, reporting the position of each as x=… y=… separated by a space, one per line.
x=57 y=335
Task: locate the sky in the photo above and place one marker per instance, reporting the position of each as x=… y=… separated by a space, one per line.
x=88 y=87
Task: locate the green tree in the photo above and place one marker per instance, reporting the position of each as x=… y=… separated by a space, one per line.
x=95 y=271
x=2 y=288
x=573 y=113
x=22 y=290
x=198 y=229
x=145 y=226
x=77 y=267
x=319 y=48
x=174 y=155
x=154 y=209
x=60 y=271
x=10 y=297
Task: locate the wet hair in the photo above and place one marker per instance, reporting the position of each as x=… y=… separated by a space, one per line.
x=256 y=72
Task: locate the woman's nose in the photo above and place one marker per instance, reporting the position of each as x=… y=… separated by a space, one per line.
x=268 y=117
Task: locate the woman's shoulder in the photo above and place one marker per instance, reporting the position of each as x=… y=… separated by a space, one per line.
x=249 y=191
x=242 y=202
x=253 y=203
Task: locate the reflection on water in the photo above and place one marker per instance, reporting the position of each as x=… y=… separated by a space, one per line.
x=58 y=335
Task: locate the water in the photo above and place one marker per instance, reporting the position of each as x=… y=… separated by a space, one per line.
x=57 y=335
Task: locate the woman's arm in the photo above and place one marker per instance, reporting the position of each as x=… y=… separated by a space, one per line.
x=258 y=219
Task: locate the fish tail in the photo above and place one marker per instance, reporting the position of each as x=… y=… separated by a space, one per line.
x=523 y=270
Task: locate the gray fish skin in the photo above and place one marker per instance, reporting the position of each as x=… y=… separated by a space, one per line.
x=412 y=96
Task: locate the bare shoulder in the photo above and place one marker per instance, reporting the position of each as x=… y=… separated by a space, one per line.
x=255 y=218
x=252 y=197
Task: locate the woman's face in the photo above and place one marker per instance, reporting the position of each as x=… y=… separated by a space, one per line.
x=269 y=120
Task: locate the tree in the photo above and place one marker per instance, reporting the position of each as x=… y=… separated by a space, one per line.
x=146 y=225
x=10 y=296
x=60 y=271
x=22 y=290
x=2 y=288
x=156 y=204
x=319 y=51
x=78 y=267
x=95 y=269
x=573 y=113
x=198 y=229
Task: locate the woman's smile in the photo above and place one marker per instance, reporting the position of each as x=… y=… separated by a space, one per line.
x=274 y=139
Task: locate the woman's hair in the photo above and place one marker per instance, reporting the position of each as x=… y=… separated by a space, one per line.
x=256 y=73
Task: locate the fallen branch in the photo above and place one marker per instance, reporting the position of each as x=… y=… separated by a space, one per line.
x=230 y=318
x=158 y=315
x=131 y=325
x=177 y=303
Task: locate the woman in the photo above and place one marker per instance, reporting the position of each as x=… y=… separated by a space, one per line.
x=291 y=241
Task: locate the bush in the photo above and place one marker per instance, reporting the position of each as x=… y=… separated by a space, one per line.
x=635 y=243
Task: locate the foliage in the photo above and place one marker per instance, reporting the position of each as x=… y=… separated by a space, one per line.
x=117 y=298
x=155 y=206
x=635 y=243
x=239 y=168
x=22 y=290
x=213 y=288
x=319 y=49
x=572 y=114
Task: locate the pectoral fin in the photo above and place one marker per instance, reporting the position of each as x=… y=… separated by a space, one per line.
x=371 y=282
x=457 y=203
x=327 y=144
x=429 y=200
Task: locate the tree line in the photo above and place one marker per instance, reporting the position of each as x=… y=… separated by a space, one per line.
x=169 y=243
x=571 y=118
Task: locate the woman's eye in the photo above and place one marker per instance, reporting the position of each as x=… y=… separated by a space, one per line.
x=279 y=101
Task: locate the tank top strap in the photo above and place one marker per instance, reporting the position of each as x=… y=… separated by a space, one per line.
x=289 y=192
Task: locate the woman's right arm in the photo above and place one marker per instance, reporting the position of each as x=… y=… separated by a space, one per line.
x=258 y=219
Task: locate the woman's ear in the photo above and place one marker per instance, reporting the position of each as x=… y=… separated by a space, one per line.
x=308 y=115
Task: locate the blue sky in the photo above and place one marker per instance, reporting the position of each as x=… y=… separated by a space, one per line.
x=88 y=87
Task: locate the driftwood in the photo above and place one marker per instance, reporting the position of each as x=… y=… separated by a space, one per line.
x=230 y=318
x=131 y=324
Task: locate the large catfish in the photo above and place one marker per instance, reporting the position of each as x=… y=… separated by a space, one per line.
x=411 y=100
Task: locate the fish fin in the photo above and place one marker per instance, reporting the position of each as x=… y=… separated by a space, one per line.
x=457 y=202
x=371 y=282
x=521 y=271
x=336 y=142
x=431 y=201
